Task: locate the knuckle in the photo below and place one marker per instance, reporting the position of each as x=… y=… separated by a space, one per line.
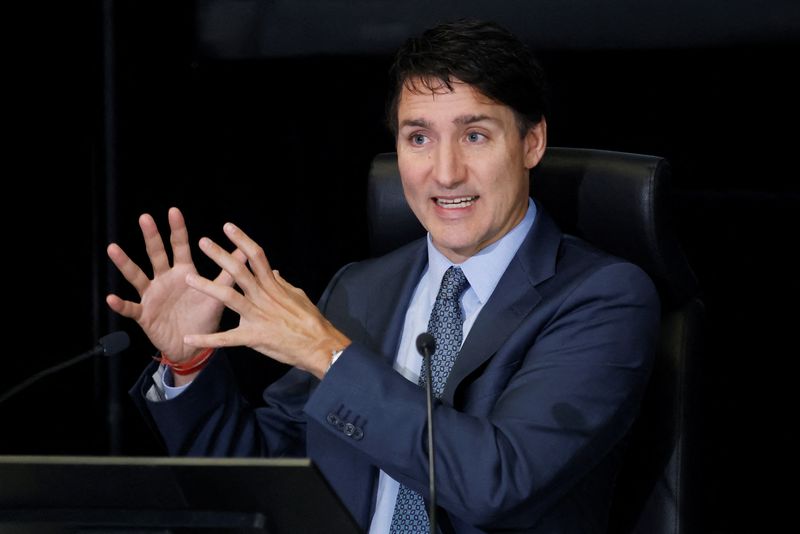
x=258 y=253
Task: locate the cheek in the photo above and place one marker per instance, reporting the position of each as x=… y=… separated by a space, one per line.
x=509 y=186
x=414 y=194
x=499 y=177
x=412 y=179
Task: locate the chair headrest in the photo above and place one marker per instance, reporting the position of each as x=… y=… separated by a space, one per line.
x=614 y=200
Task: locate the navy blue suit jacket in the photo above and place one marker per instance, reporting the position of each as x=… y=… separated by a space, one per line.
x=530 y=423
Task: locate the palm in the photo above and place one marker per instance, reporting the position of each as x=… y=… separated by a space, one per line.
x=171 y=309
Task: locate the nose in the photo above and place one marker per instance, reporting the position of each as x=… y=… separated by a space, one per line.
x=448 y=168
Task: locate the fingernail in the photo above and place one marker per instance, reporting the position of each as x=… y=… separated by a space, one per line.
x=229 y=228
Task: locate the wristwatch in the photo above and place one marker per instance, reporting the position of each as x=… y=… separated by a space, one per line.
x=334 y=356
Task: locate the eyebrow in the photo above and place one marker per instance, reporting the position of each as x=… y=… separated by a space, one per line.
x=417 y=123
x=471 y=119
x=462 y=120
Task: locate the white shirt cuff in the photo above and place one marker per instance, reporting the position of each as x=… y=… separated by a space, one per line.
x=163 y=387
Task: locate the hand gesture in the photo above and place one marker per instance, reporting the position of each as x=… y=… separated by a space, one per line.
x=275 y=318
x=168 y=308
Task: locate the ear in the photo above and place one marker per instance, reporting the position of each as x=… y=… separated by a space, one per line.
x=534 y=143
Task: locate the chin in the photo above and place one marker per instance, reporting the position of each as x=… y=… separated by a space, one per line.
x=461 y=247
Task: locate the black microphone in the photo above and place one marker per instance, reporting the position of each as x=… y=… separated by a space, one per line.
x=426 y=346
x=107 y=345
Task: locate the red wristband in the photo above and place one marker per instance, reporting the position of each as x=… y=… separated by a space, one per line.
x=187 y=368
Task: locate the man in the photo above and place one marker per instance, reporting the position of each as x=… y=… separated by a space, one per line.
x=544 y=344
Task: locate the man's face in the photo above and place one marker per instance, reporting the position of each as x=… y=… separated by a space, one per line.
x=464 y=166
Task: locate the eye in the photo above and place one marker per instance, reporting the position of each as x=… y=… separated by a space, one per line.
x=418 y=139
x=475 y=137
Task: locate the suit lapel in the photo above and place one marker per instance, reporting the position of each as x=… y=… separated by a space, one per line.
x=391 y=296
x=513 y=299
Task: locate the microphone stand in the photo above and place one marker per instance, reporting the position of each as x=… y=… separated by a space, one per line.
x=426 y=345
x=431 y=469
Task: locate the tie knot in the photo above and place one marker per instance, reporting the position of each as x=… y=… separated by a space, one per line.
x=453 y=284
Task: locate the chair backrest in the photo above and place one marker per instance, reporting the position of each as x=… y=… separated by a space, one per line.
x=619 y=203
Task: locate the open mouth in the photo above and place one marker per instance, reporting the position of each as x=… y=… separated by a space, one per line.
x=455 y=203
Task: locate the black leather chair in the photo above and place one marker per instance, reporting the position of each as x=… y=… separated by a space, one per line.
x=619 y=203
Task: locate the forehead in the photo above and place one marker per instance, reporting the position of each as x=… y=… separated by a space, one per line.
x=422 y=98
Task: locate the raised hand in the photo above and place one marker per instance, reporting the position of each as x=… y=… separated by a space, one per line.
x=275 y=318
x=168 y=308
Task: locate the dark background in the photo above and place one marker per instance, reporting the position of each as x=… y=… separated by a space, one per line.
x=267 y=113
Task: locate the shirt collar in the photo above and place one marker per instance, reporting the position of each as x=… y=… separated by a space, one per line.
x=484 y=269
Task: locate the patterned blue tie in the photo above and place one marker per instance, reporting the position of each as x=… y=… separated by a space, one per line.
x=446 y=326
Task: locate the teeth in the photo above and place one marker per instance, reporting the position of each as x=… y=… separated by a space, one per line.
x=453 y=203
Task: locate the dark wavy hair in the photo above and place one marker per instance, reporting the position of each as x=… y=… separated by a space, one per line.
x=479 y=53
